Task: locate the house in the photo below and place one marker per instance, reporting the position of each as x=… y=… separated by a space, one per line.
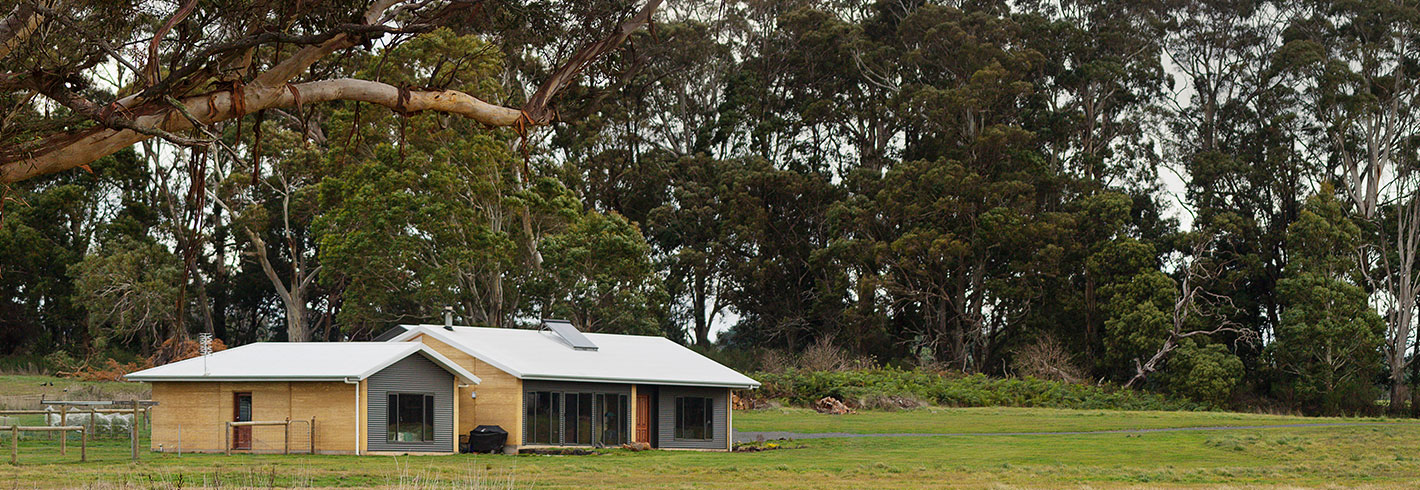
x=554 y=386
x=357 y=397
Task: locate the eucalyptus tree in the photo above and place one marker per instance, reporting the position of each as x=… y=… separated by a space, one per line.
x=1236 y=138
x=86 y=79
x=1094 y=115
x=206 y=63
x=1328 y=346
x=1358 y=61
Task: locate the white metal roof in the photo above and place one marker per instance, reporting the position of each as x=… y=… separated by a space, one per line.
x=543 y=355
x=297 y=361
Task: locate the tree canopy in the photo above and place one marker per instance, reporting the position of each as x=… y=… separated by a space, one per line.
x=1215 y=199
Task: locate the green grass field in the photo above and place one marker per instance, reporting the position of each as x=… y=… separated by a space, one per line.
x=998 y=420
x=1377 y=456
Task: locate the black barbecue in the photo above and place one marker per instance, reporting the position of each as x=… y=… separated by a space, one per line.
x=487 y=439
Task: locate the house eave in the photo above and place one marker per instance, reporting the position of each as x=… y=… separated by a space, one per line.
x=149 y=379
x=645 y=381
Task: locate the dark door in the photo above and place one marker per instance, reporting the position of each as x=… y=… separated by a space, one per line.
x=241 y=412
x=643 y=417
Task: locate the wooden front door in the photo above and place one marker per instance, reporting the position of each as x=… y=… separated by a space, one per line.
x=643 y=417
x=241 y=412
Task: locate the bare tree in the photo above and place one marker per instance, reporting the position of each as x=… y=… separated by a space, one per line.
x=1196 y=312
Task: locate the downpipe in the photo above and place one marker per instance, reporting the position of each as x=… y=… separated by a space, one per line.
x=356 y=383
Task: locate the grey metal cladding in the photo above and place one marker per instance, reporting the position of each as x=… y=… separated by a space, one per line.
x=413 y=374
x=665 y=420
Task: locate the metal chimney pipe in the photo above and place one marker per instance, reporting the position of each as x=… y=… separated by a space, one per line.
x=449 y=318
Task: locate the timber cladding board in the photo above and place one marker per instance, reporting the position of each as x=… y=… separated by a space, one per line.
x=197 y=412
x=500 y=395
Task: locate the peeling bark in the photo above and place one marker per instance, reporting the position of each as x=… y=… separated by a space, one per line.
x=71 y=150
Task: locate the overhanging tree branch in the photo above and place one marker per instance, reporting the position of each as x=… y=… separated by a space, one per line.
x=539 y=107
x=148 y=116
x=70 y=150
x=17 y=27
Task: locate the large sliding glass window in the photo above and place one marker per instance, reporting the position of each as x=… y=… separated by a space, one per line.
x=411 y=417
x=615 y=415
x=543 y=410
x=577 y=418
x=694 y=418
x=583 y=419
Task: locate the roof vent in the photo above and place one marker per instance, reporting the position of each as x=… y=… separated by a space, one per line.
x=449 y=318
x=569 y=334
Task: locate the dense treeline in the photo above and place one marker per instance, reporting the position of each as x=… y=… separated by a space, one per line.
x=1210 y=199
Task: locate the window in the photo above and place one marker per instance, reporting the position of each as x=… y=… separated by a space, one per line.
x=614 y=419
x=543 y=413
x=584 y=419
x=694 y=418
x=411 y=417
x=577 y=416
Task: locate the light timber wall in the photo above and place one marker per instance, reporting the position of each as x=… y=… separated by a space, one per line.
x=194 y=414
x=500 y=395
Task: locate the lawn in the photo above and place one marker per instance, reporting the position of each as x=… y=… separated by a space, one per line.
x=1005 y=419
x=1378 y=456
x=24 y=391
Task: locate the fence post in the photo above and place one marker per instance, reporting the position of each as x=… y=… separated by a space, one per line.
x=133 y=430
x=84 y=444
x=287 y=428
x=15 y=444
x=63 y=434
x=313 y=434
x=227 y=435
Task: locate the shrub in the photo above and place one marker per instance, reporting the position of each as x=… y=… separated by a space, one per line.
x=880 y=388
x=1207 y=373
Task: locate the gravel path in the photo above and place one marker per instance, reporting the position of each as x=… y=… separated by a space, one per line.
x=744 y=436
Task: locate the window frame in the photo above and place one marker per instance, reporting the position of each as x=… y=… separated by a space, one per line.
x=427 y=415
x=572 y=417
x=707 y=424
x=553 y=431
x=599 y=433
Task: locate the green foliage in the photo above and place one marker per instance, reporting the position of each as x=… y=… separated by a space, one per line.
x=130 y=289
x=1140 y=318
x=1207 y=373
x=859 y=387
x=938 y=184
x=598 y=274
x=1328 y=345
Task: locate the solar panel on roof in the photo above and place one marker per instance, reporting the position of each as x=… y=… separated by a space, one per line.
x=570 y=334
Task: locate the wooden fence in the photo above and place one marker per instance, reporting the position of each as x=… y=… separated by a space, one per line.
x=137 y=408
x=15 y=431
x=286 y=426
